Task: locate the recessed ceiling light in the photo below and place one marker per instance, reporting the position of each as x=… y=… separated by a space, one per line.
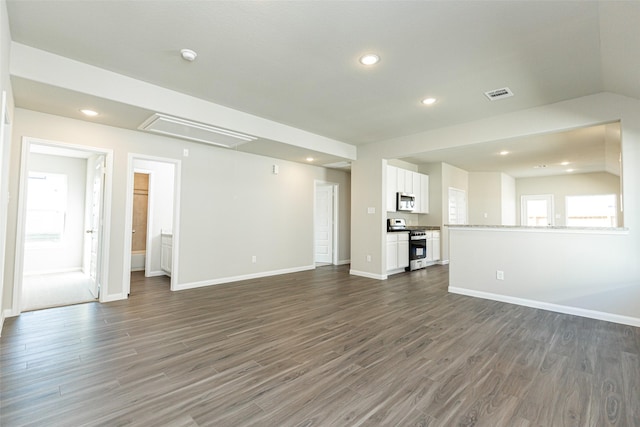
x=88 y=112
x=429 y=101
x=504 y=153
x=310 y=159
x=570 y=170
x=188 y=55
x=564 y=163
x=369 y=59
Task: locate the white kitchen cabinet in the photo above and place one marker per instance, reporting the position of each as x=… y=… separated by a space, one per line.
x=423 y=195
x=397 y=251
x=433 y=246
x=405 y=181
x=392 y=188
x=166 y=252
x=436 y=246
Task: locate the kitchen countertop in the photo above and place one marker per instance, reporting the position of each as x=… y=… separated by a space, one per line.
x=549 y=228
x=416 y=227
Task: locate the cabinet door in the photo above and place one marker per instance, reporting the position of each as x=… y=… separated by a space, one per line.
x=429 y=256
x=400 y=180
x=392 y=188
x=415 y=187
x=403 y=250
x=408 y=182
x=392 y=252
x=424 y=193
x=436 y=246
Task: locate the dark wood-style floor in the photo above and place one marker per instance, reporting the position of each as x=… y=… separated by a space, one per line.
x=316 y=348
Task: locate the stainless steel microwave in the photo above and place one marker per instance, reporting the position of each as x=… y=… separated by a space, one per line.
x=405 y=202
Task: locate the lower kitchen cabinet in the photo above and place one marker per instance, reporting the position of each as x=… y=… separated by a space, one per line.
x=397 y=252
x=433 y=246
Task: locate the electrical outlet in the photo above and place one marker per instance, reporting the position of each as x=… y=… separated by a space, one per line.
x=185 y=152
x=368 y=258
x=254 y=259
x=499 y=275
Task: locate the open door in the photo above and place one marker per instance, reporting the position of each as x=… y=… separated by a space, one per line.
x=95 y=187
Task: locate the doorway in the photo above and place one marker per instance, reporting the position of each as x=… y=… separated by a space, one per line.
x=325 y=223
x=61 y=233
x=140 y=219
x=537 y=210
x=152 y=215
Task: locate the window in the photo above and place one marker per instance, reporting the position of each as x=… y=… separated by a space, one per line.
x=592 y=211
x=457 y=206
x=46 y=207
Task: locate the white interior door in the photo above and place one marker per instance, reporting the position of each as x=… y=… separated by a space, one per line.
x=323 y=227
x=537 y=210
x=95 y=182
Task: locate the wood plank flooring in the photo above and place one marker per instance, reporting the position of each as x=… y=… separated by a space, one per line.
x=316 y=348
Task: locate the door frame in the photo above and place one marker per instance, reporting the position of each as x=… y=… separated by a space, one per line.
x=126 y=273
x=334 y=218
x=551 y=210
x=103 y=246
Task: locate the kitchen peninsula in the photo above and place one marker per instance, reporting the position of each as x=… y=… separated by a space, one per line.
x=544 y=267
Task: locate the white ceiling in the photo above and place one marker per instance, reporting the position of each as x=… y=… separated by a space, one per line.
x=296 y=62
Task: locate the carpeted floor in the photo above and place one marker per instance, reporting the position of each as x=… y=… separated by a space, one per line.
x=53 y=290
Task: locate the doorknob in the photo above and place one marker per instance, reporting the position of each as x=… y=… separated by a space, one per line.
x=133 y=231
x=89 y=231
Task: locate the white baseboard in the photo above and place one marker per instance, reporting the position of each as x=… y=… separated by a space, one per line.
x=155 y=273
x=344 y=262
x=136 y=269
x=192 y=285
x=576 y=311
x=112 y=297
x=368 y=275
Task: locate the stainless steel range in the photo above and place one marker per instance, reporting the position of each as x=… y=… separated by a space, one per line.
x=417 y=242
x=417 y=249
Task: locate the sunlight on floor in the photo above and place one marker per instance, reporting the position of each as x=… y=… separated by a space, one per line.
x=53 y=290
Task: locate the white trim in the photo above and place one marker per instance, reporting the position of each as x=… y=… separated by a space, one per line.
x=192 y=285
x=576 y=311
x=155 y=273
x=18 y=271
x=344 y=262
x=110 y=298
x=126 y=273
x=368 y=275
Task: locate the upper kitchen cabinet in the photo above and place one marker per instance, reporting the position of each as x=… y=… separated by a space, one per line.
x=406 y=181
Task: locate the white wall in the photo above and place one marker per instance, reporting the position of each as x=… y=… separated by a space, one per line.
x=508 y=199
x=232 y=206
x=485 y=198
x=160 y=218
x=561 y=186
x=66 y=255
x=491 y=198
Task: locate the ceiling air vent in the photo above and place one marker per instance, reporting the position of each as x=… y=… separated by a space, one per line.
x=496 y=94
x=194 y=131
